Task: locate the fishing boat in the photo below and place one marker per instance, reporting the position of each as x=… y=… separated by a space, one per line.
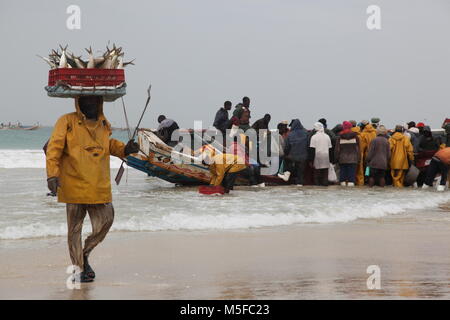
x=30 y=127
x=155 y=159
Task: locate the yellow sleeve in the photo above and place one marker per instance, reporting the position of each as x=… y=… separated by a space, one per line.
x=117 y=148
x=409 y=150
x=55 y=147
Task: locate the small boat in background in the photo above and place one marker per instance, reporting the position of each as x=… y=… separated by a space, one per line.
x=19 y=126
x=30 y=127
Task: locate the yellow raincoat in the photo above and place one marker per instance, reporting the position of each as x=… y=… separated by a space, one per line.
x=367 y=135
x=360 y=169
x=78 y=154
x=222 y=164
x=401 y=151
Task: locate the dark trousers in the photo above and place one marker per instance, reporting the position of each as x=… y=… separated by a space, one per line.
x=297 y=169
x=229 y=180
x=347 y=172
x=321 y=177
x=253 y=174
x=434 y=168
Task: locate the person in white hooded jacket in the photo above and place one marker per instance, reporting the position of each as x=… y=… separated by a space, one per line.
x=320 y=146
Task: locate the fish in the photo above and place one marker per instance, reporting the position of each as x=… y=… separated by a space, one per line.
x=112 y=58
x=63 y=59
x=70 y=61
x=78 y=62
x=129 y=62
x=120 y=62
x=49 y=62
x=91 y=62
x=107 y=63
x=113 y=62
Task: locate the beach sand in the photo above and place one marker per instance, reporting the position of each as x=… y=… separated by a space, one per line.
x=298 y=262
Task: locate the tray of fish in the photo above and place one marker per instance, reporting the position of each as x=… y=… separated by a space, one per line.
x=71 y=76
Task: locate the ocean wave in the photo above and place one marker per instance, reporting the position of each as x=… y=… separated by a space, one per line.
x=25 y=158
x=319 y=207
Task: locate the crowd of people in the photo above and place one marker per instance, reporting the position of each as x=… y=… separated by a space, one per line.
x=350 y=153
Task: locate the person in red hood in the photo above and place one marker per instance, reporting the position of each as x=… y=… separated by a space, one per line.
x=420 y=126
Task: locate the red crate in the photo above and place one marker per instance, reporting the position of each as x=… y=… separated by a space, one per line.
x=86 y=77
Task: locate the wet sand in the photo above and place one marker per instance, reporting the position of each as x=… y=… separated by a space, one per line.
x=298 y=262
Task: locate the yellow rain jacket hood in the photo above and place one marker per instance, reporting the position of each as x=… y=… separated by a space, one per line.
x=78 y=154
x=367 y=135
x=401 y=151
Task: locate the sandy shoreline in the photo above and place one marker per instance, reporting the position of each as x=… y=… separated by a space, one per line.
x=297 y=262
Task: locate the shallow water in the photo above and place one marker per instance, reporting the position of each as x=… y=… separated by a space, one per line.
x=148 y=204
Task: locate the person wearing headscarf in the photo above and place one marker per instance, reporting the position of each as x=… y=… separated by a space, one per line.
x=375 y=122
x=78 y=170
x=321 y=146
x=378 y=157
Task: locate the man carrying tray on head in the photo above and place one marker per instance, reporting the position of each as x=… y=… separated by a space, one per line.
x=78 y=171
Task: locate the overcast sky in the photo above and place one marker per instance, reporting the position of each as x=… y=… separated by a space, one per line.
x=294 y=58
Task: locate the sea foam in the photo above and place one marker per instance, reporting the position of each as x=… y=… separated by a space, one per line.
x=179 y=209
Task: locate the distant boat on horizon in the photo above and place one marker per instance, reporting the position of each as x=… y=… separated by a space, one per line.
x=18 y=126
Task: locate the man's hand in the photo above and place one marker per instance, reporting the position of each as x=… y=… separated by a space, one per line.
x=53 y=184
x=131 y=147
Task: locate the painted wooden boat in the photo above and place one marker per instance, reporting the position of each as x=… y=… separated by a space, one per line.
x=155 y=159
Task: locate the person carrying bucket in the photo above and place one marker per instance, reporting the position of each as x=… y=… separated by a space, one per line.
x=78 y=171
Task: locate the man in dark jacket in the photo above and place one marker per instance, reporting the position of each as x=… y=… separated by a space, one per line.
x=427 y=142
x=221 y=121
x=165 y=129
x=296 y=152
x=262 y=123
x=378 y=157
x=347 y=154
